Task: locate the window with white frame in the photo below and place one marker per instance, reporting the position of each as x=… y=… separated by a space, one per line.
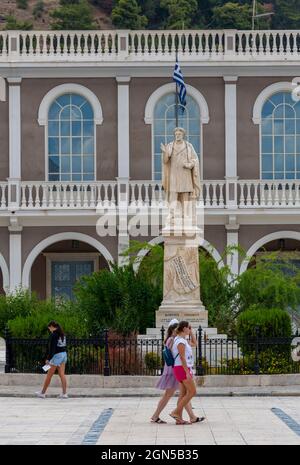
x=164 y=122
x=280 y=137
x=71 y=139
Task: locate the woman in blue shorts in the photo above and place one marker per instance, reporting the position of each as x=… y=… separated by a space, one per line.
x=57 y=359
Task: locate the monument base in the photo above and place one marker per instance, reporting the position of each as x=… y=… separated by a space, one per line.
x=195 y=314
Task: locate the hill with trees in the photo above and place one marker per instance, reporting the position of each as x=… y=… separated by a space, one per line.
x=147 y=14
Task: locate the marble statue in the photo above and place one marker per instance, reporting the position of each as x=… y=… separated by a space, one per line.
x=181 y=176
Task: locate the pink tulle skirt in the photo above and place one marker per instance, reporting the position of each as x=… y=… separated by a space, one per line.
x=167 y=380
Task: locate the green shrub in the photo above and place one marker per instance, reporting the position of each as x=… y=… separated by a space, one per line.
x=34 y=325
x=20 y=304
x=237 y=366
x=117 y=299
x=271 y=322
x=270 y=361
x=152 y=361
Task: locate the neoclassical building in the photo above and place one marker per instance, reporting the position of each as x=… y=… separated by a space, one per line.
x=82 y=117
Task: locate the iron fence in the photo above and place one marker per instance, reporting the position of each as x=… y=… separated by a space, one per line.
x=108 y=355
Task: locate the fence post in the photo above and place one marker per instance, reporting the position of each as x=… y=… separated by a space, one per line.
x=106 y=354
x=256 y=361
x=199 y=367
x=8 y=350
x=162 y=348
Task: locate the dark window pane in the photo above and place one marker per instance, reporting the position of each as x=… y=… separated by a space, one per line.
x=53 y=145
x=53 y=128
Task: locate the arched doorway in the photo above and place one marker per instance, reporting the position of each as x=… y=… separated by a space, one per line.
x=55 y=264
x=283 y=241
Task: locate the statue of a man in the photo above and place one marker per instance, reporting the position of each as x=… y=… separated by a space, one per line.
x=181 y=172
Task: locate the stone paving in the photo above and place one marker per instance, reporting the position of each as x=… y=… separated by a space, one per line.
x=229 y=420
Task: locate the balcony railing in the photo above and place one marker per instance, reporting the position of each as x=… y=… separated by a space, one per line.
x=99 y=195
x=56 y=195
x=123 y=45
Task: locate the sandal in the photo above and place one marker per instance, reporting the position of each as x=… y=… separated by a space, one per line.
x=159 y=421
x=182 y=422
x=179 y=421
x=198 y=419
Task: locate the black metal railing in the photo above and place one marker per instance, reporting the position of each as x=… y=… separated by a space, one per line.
x=109 y=354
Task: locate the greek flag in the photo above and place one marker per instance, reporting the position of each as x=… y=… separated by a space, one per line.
x=178 y=78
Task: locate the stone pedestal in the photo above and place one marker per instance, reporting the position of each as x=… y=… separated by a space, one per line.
x=181 y=280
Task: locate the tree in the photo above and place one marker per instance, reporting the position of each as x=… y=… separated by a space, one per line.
x=153 y=11
x=235 y=16
x=72 y=14
x=127 y=15
x=118 y=299
x=287 y=14
x=106 y=5
x=181 y=13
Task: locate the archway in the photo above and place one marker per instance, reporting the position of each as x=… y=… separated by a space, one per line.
x=293 y=235
x=58 y=238
x=5 y=274
x=159 y=240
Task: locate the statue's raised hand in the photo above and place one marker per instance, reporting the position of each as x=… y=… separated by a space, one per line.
x=163 y=147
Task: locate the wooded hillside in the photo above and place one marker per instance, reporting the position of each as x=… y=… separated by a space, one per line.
x=147 y=14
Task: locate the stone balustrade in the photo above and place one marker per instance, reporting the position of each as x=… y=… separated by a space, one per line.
x=251 y=194
x=161 y=45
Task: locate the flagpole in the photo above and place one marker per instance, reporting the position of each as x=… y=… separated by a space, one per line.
x=176 y=106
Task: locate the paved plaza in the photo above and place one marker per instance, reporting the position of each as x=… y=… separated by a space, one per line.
x=125 y=421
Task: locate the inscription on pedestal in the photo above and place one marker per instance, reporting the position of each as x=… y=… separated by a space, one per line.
x=182 y=272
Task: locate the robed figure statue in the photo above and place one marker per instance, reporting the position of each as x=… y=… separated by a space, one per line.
x=181 y=178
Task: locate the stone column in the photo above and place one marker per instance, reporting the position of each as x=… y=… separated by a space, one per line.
x=123 y=126
x=123 y=164
x=232 y=229
x=2 y=90
x=231 y=141
x=15 y=255
x=122 y=212
x=14 y=142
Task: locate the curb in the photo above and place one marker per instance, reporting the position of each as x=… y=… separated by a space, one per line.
x=129 y=395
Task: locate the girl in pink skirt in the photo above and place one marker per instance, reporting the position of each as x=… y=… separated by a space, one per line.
x=168 y=383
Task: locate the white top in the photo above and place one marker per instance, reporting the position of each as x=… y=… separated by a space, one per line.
x=188 y=352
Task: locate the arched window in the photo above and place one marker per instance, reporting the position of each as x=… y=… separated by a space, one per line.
x=280 y=137
x=164 y=122
x=71 y=139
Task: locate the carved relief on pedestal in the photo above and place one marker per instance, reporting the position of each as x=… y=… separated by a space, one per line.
x=181 y=274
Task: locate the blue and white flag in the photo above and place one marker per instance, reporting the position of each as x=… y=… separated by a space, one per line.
x=178 y=78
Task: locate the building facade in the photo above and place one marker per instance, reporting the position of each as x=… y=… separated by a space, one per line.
x=82 y=117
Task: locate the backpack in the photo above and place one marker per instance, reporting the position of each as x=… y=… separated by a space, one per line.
x=168 y=357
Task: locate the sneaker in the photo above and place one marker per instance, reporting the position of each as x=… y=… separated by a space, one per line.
x=63 y=396
x=40 y=394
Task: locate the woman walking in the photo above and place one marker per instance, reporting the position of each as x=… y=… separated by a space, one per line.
x=169 y=383
x=183 y=369
x=57 y=358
